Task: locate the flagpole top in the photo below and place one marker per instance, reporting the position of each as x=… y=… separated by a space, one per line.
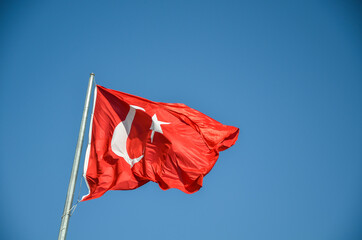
x=92 y=74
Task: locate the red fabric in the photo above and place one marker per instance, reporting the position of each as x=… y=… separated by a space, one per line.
x=179 y=157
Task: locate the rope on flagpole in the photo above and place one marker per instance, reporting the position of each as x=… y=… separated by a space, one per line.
x=80 y=187
x=94 y=83
x=72 y=209
x=74 y=206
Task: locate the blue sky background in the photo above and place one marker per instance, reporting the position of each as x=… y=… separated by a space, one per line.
x=287 y=73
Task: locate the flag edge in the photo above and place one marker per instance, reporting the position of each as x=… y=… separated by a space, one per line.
x=87 y=154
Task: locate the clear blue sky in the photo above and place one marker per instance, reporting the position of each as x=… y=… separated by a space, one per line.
x=287 y=73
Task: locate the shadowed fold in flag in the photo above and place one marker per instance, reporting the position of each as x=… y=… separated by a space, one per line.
x=134 y=140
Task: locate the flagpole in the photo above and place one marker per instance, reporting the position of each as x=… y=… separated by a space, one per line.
x=73 y=177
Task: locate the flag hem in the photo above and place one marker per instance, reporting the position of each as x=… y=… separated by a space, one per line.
x=87 y=154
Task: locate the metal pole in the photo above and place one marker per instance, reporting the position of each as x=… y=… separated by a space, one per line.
x=73 y=177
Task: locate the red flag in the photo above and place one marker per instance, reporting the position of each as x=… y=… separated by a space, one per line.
x=134 y=140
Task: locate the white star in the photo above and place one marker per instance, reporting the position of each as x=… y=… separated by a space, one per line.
x=156 y=126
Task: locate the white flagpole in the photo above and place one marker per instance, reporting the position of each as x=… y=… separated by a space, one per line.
x=73 y=177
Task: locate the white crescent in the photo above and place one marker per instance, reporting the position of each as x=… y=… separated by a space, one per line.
x=120 y=136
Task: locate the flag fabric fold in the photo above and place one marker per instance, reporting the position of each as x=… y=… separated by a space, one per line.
x=134 y=140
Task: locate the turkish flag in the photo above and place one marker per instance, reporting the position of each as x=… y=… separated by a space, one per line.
x=134 y=140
